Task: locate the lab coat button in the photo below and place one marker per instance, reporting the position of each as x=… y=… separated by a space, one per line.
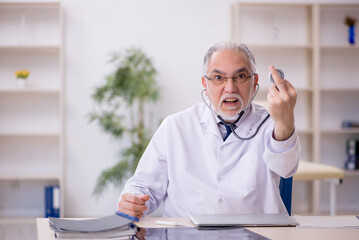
x=222 y=148
x=220 y=200
x=205 y=127
x=219 y=179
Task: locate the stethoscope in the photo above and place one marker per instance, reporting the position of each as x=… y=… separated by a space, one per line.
x=233 y=124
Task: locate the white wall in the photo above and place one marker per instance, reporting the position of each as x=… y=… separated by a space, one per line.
x=175 y=34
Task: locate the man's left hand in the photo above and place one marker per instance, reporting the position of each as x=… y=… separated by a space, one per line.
x=281 y=101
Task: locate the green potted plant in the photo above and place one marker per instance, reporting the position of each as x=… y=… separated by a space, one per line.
x=121 y=103
x=21 y=77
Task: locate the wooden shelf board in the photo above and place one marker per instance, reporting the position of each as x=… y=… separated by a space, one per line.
x=261 y=4
x=30 y=90
x=339 y=47
x=29 y=4
x=340 y=89
x=337 y=4
x=339 y=131
x=35 y=48
x=49 y=134
x=29 y=177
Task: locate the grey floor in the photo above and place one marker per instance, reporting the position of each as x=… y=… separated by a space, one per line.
x=18 y=230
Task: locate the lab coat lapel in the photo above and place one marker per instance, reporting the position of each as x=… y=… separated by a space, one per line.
x=209 y=124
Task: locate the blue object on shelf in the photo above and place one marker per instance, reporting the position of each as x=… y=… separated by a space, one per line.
x=352 y=34
x=48 y=201
x=52 y=201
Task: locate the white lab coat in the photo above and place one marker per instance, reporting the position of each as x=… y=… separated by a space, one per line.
x=189 y=167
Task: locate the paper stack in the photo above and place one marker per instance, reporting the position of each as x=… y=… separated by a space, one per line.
x=112 y=227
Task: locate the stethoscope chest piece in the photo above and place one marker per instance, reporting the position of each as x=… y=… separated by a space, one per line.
x=280 y=72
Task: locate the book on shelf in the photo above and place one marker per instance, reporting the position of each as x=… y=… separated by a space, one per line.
x=52 y=201
x=109 y=227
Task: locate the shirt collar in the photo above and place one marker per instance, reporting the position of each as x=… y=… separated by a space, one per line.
x=245 y=115
x=210 y=122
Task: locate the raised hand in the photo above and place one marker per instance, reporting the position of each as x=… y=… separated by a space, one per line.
x=281 y=101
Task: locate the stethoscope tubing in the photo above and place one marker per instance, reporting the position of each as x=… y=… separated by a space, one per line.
x=231 y=125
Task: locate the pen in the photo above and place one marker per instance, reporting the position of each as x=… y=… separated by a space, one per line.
x=127 y=216
x=170 y=223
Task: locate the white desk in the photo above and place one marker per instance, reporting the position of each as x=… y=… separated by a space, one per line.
x=310 y=171
x=279 y=233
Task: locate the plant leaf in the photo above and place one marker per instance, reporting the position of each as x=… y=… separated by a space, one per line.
x=132 y=81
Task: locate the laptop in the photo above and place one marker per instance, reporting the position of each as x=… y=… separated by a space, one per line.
x=245 y=220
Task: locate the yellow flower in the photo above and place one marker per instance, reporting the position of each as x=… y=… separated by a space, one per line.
x=22 y=74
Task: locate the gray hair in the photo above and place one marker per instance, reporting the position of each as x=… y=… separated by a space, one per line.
x=229 y=45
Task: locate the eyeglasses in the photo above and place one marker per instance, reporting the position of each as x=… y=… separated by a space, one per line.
x=240 y=78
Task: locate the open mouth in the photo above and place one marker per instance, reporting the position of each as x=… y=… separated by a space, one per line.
x=231 y=103
x=230 y=100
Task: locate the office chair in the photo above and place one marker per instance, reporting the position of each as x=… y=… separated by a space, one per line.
x=285 y=188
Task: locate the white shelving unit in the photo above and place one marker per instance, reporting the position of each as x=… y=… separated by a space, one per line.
x=31 y=119
x=338 y=94
x=309 y=42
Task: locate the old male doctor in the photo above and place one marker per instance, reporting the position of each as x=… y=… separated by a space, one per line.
x=195 y=163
